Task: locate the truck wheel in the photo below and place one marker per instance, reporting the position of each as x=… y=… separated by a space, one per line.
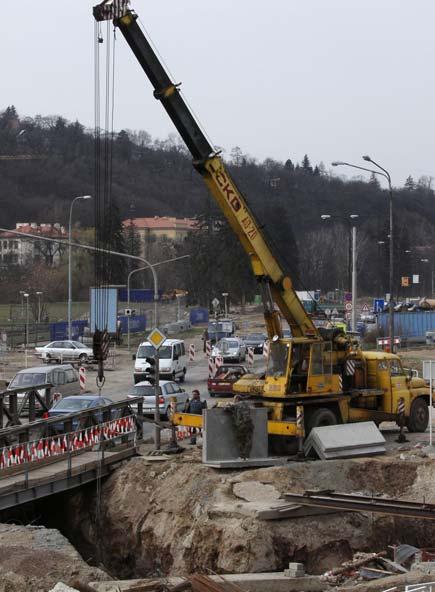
x=183 y=376
x=419 y=416
x=321 y=417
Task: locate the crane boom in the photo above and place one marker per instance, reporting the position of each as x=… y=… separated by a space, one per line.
x=277 y=287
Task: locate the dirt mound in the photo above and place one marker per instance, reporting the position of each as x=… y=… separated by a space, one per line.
x=178 y=516
x=35 y=558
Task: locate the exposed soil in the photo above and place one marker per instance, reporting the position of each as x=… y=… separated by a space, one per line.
x=178 y=516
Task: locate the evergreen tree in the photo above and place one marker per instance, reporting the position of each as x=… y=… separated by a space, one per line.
x=374 y=182
x=306 y=165
x=289 y=166
x=409 y=183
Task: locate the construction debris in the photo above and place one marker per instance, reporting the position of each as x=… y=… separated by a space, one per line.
x=344 y=441
x=295 y=570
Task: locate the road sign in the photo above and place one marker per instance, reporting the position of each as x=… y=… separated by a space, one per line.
x=156 y=337
x=348 y=306
x=348 y=316
x=365 y=308
x=327 y=312
x=348 y=296
x=378 y=305
x=415 y=279
x=335 y=313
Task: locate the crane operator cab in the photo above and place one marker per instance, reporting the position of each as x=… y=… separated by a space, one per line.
x=298 y=366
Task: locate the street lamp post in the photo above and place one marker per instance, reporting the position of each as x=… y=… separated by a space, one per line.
x=22 y=303
x=150 y=266
x=383 y=173
x=39 y=294
x=353 y=258
x=69 y=261
x=26 y=296
x=225 y=295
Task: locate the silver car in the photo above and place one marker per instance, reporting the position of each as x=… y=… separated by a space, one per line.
x=231 y=349
x=167 y=390
x=65 y=350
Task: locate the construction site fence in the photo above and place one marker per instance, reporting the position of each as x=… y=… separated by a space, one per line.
x=13 y=336
x=66 y=444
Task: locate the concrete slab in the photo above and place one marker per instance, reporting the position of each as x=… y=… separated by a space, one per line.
x=255 y=582
x=253 y=491
x=345 y=440
x=220 y=443
x=246 y=463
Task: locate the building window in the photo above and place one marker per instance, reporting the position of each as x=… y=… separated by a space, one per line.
x=5 y=244
x=15 y=244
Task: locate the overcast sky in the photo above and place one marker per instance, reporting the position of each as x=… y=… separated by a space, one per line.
x=280 y=78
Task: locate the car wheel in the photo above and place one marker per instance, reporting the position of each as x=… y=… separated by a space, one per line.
x=83 y=358
x=173 y=376
x=418 y=416
x=212 y=394
x=47 y=358
x=183 y=375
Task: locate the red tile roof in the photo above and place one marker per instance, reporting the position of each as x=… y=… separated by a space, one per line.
x=163 y=223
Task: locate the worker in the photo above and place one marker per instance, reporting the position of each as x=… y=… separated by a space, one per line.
x=195 y=406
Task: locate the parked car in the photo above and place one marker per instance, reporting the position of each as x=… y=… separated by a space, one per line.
x=172 y=360
x=65 y=350
x=167 y=390
x=231 y=349
x=75 y=405
x=222 y=382
x=64 y=378
x=256 y=341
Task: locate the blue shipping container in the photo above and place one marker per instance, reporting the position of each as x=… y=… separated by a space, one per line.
x=137 y=323
x=198 y=315
x=137 y=295
x=60 y=330
x=410 y=325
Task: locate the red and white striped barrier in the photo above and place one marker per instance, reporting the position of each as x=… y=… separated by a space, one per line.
x=266 y=348
x=250 y=356
x=211 y=367
x=191 y=352
x=208 y=348
x=82 y=378
x=43 y=448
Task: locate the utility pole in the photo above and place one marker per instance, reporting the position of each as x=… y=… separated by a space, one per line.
x=354 y=285
x=157 y=401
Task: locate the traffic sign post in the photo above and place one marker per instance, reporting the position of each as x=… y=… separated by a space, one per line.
x=157 y=338
x=365 y=308
x=429 y=374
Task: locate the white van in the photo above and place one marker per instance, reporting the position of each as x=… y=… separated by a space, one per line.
x=172 y=357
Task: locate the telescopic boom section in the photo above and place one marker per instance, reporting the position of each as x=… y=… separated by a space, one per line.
x=277 y=286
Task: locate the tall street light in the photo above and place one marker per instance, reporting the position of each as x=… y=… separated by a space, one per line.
x=383 y=173
x=352 y=240
x=39 y=294
x=26 y=296
x=69 y=261
x=225 y=295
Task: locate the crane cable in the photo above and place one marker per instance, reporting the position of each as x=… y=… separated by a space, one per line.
x=103 y=167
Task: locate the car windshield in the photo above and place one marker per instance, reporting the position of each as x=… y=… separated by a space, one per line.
x=143 y=390
x=73 y=404
x=28 y=379
x=148 y=351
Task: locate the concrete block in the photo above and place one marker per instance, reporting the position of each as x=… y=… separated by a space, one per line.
x=220 y=444
x=345 y=440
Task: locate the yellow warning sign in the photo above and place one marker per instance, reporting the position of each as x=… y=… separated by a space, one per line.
x=156 y=337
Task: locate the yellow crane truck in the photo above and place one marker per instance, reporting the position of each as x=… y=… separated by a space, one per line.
x=323 y=372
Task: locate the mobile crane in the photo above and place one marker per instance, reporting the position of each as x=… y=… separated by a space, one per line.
x=324 y=372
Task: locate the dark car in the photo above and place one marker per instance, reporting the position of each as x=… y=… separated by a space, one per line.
x=75 y=405
x=222 y=382
x=256 y=341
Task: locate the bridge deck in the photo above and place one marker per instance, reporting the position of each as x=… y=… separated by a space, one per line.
x=58 y=477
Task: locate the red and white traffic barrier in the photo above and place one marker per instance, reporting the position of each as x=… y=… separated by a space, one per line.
x=211 y=368
x=82 y=378
x=250 y=356
x=191 y=352
x=36 y=450
x=208 y=348
x=266 y=348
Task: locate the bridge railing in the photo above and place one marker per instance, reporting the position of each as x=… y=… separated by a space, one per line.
x=64 y=424
x=17 y=402
x=22 y=453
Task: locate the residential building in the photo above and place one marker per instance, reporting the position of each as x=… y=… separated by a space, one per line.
x=17 y=250
x=160 y=228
